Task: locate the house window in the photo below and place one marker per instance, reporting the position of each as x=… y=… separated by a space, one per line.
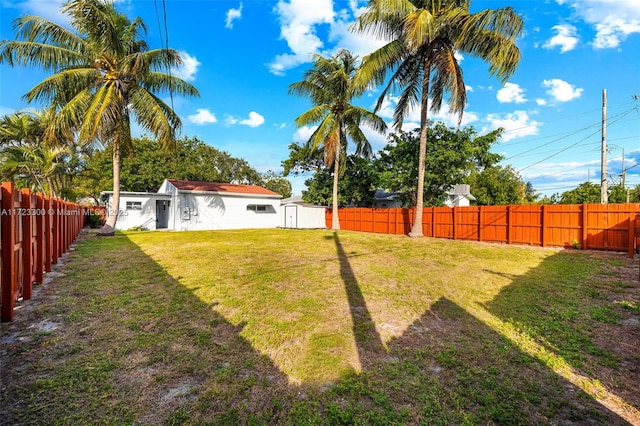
x=261 y=208
x=134 y=205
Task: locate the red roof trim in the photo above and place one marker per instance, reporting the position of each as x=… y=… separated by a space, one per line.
x=187 y=185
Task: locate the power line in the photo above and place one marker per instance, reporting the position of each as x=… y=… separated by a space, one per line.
x=620 y=115
x=165 y=46
x=563 y=118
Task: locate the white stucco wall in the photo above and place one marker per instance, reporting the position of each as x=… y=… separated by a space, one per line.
x=211 y=211
x=132 y=218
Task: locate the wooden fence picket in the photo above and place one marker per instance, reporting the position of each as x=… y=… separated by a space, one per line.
x=35 y=231
x=589 y=226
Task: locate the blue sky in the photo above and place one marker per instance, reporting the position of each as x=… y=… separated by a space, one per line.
x=243 y=55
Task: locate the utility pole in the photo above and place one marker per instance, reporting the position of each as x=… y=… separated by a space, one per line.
x=624 y=171
x=603 y=161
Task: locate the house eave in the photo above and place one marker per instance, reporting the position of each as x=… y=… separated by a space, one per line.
x=231 y=194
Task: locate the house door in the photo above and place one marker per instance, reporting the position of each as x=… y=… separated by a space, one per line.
x=290 y=216
x=162 y=214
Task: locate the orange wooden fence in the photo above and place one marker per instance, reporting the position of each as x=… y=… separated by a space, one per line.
x=592 y=226
x=35 y=231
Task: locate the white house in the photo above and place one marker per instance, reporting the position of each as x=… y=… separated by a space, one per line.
x=186 y=205
x=459 y=196
x=300 y=215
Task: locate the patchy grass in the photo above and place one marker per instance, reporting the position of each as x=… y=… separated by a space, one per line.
x=316 y=327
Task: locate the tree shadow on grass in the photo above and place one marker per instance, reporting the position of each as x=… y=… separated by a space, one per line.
x=133 y=345
x=579 y=314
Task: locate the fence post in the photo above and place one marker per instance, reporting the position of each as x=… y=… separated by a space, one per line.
x=433 y=221
x=508 y=224
x=8 y=258
x=453 y=220
x=631 y=236
x=480 y=223
x=542 y=239
x=27 y=244
x=585 y=229
x=40 y=241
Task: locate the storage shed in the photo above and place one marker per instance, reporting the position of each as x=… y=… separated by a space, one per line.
x=300 y=215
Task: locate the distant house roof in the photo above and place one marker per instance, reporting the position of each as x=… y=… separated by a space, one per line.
x=382 y=195
x=221 y=188
x=297 y=200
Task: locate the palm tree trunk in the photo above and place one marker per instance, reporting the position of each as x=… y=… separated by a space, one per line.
x=416 y=229
x=335 y=220
x=110 y=225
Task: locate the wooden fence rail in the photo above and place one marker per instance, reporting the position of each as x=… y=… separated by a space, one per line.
x=591 y=226
x=35 y=231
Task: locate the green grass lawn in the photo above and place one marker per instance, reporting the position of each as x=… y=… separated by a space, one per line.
x=317 y=327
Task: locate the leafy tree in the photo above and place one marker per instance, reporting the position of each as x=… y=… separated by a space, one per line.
x=356 y=186
x=454 y=155
x=553 y=199
x=331 y=85
x=146 y=165
x=276 y=183
x=617 y=194
x=302 y=159
x=634 y=194
x=104 y=75
x=425 y=40
x=496 y=186
x=585 y=193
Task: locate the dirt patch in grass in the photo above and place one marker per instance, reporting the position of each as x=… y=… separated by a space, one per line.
x=278 y=327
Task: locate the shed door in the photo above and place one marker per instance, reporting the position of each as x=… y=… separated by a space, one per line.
x=290 y=216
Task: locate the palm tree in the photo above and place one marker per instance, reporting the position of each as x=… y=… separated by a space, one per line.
x=104 y=76
x=331 y=85
x=33 y=154
x=425 y=37
x=37 y=167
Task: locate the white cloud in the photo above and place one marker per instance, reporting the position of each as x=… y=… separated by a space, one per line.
x=511 y=93
x=517 y=124
x=254 y=120
x=298 y=23
x=613 y=20
x=187 y=71
x=565 y=38
x=203 y=116
x=303 y=134
x=561 y=91
x=412 y=118
x=49 y=9
x=232 y=15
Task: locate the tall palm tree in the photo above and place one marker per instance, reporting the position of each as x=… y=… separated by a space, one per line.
x=104 y=75
x=424 y=38
x=331 y=84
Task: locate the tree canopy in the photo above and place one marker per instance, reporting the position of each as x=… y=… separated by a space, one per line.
x=145 y=166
